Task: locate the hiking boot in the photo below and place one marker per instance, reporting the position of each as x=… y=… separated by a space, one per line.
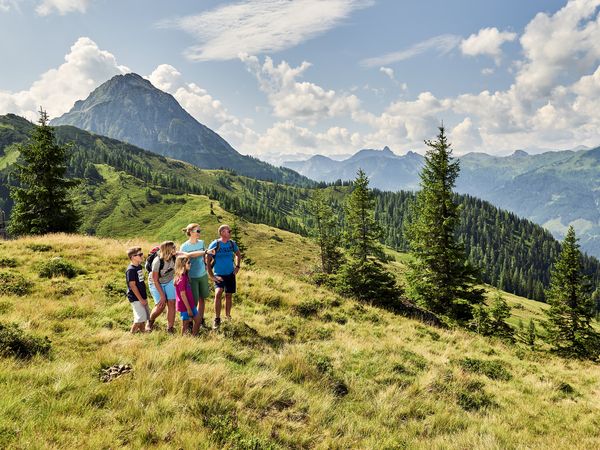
x=202 y=323
x=216 y=323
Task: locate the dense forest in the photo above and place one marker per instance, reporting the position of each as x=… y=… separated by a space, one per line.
x=513 y=254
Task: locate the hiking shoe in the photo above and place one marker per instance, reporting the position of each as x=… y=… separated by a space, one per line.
x=216 y=323
x=202 y=323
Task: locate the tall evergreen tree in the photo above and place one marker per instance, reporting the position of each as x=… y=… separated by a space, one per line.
x=363 y=275
x=440 y=278
x=42 y=200
x=571 y=307
x=325 y=230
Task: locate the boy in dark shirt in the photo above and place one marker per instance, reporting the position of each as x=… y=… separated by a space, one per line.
x=136 y=289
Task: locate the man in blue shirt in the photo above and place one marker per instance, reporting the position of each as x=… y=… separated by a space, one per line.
x=223 y=270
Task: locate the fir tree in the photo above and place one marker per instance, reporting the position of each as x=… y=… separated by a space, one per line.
x=499 y=312
x=324 y=230
x=42 y=200
x=531 y=334
x=236 y=235
x=440 y=278
x=571 y=309
x=363 y=275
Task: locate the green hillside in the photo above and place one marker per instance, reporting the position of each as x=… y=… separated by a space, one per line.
x=298 y=367
x=127 y=188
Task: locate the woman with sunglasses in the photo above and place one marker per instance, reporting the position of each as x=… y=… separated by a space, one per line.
x=160 y=282
x=195 y=250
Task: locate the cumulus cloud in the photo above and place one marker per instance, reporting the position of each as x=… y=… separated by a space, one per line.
x=259 y=26
x=465 y=137
x=292 y=99
x=7 y=5
x=487 y=42
x=442 y=44
x=85 y=67
x=388 y=71
x=62 y=7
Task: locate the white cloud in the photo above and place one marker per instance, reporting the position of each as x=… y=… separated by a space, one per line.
x=62 y=7
x=259 y=26
x=388 y=71
x=7 y=5
x=442 y=44
x=292 y=99
x=565 y=45
x=202 y=106
x=487 y=42
x=487 y=71
x=85 y=67
x=465 y=137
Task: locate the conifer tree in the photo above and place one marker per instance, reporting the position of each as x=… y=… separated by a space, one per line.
x=499 y=312
x=569 y=327
x=325 y=231
x=440 y=278
x=236 y=235
x=531 y=334
x=363 y=275
x=42 y=200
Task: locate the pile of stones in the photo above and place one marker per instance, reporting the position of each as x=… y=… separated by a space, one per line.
x=113 y=372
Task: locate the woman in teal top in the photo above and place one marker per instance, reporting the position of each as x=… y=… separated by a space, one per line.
x=195 y=249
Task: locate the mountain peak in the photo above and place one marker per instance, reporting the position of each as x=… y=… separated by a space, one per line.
x=129 y=108
x=519 y=154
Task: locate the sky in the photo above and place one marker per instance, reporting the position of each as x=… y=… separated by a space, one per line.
x=286 y=79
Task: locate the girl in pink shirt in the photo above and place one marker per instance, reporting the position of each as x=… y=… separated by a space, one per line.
x=184 y=300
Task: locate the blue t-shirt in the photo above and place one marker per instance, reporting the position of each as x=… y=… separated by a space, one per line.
x=198 y=269
x=224 y=257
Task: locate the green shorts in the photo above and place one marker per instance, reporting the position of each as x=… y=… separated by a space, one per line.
x=200 y=287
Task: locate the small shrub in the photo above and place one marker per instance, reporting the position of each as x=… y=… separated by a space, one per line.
x=39 y=247
x=14 y=284
x=62 y=287
x=474 y=401
x=307 y=308
x=14 y=342
x=57 y=267
x=114 y=289
x=8 y=262
x=491 y=369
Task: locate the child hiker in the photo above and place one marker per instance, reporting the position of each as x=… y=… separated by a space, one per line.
x=136 y=289
x=184 y=298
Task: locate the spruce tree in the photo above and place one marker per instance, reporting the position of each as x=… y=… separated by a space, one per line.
x=324 y=229
x=499 y=312
x=569 y=327
x=363 y=275
x=440 y=278
x=42 y=200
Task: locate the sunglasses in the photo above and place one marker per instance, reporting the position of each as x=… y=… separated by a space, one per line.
x=196 y=231
x=139 y=254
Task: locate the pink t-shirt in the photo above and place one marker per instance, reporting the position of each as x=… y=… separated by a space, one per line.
x=183 y=285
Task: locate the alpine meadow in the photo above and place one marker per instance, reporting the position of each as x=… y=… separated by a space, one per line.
x=224 y=250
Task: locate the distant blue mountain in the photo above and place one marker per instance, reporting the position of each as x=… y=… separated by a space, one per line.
x=554 y=189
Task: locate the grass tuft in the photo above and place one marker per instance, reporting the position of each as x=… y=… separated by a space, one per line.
x=491 y=369
x=58 y=267
x=14 y=284
x=14 y=342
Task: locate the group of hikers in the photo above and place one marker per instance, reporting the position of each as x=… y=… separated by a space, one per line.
x=179 y=280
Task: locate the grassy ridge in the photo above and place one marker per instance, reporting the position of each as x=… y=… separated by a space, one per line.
x=299 y=367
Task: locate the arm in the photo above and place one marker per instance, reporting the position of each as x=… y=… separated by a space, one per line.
x=155 y=277
x=195 y=254
x=238 y=260
x=185 y=302
x=136 y=291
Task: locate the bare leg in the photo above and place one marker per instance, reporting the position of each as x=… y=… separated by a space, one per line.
x=201 y=308
x=196 y=326
x=218 y=294
x=157 y=311
x=184 y=327
x=228 y=302
x=170 y=313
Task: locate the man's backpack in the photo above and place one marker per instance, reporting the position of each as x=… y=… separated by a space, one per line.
x=209 y=259
x=154 y=253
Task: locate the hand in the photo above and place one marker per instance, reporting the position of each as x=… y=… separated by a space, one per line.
x=144 y=302
x=163 y=300
x=218 y=279
x=189 y=311
x=210 y=252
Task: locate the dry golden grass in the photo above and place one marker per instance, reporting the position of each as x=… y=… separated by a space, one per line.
x=299 y=367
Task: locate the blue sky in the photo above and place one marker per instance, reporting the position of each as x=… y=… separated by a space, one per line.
x=280 y=78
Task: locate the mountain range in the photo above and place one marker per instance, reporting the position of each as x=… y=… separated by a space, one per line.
x=554 y=189
x=129 y=108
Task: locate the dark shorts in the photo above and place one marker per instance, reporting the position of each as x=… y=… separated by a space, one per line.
x=228 y=283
